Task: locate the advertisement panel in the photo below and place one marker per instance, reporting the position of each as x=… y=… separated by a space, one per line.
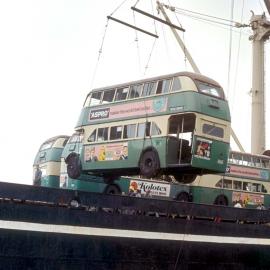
x=149 y=188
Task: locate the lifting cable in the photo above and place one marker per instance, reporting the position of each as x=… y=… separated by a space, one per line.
x=101 y=46
x=99 y=54
x=137 y=41
x=153 y=46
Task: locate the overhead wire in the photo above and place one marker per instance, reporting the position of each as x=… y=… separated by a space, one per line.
x=185 y=56
x=120 y=5
x=153 y=46
x=237 y=58
x=230 y=52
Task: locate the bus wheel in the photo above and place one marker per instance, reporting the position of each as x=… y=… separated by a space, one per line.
x=221 y=200
x=183 y=197
x=73 y=165
x=112 y=189
x=149 y=164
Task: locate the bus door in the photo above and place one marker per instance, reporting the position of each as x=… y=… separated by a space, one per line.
x=181 y=128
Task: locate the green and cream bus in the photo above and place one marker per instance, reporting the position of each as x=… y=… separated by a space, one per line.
x=176 y=124
x=247 y=180
x=155 y=188
x=46 y=167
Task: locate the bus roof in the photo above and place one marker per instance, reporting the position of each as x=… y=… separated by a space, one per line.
x=249 y=154
x=55 y=138
x=193 y=76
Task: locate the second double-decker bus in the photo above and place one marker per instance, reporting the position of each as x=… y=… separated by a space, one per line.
x=176 y=124
x=247 y=180
x=46 y=167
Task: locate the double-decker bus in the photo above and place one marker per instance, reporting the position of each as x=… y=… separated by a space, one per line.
x=46 y=167
x=176 y=124
x=247 y=179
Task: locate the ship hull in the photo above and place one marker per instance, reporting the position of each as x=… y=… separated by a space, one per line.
x=47 y=235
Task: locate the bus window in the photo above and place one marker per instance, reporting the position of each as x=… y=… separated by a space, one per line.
x=121 y=93
x=219 y=183
x=129 y=131
x=237 y=157
x=227 y=183
x=213 y=130
x=87 y=101
x=176 y=86
x=147 y=128
x=163 y=86
x=265 y=163
x=116 y=133
x=108 y=96
x=102 y=134
x=237 y=185
x=210 y=89
x=47 y=145
x=135 y=91
x=155 y=130
x=255 y=161
x=149 y=88
x=143 y=129
x=263 y=189
x=92 y=137
x=95 y=98
x=247 y=186
x=246 y=160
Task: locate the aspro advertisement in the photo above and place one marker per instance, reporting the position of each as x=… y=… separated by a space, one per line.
x=129 y=110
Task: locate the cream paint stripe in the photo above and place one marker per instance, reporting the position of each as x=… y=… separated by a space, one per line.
x=104 y=232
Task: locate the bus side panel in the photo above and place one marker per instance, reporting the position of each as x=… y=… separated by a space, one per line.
x=208 y=195
x=210 y=154
x=110 y=159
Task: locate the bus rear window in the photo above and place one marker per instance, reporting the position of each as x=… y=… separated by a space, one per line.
x=209 y=89
x=213 y=130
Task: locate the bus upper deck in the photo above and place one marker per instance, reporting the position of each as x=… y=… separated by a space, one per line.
x=46 y=167
x=165 y=94
x=175 y=124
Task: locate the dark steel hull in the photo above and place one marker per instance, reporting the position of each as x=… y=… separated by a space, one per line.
x=47 y=234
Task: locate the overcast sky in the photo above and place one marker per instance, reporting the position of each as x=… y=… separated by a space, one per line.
x=49 y=53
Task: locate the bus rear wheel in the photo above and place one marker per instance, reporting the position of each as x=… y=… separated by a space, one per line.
x=149 y=164
x=112 y=189
x=183 y=197
x=221 y=200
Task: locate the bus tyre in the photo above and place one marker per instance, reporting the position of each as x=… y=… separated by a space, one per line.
x=149 y=164
x=112 y=189
x=73 y=165
x=183 y=197
x=221 y=200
